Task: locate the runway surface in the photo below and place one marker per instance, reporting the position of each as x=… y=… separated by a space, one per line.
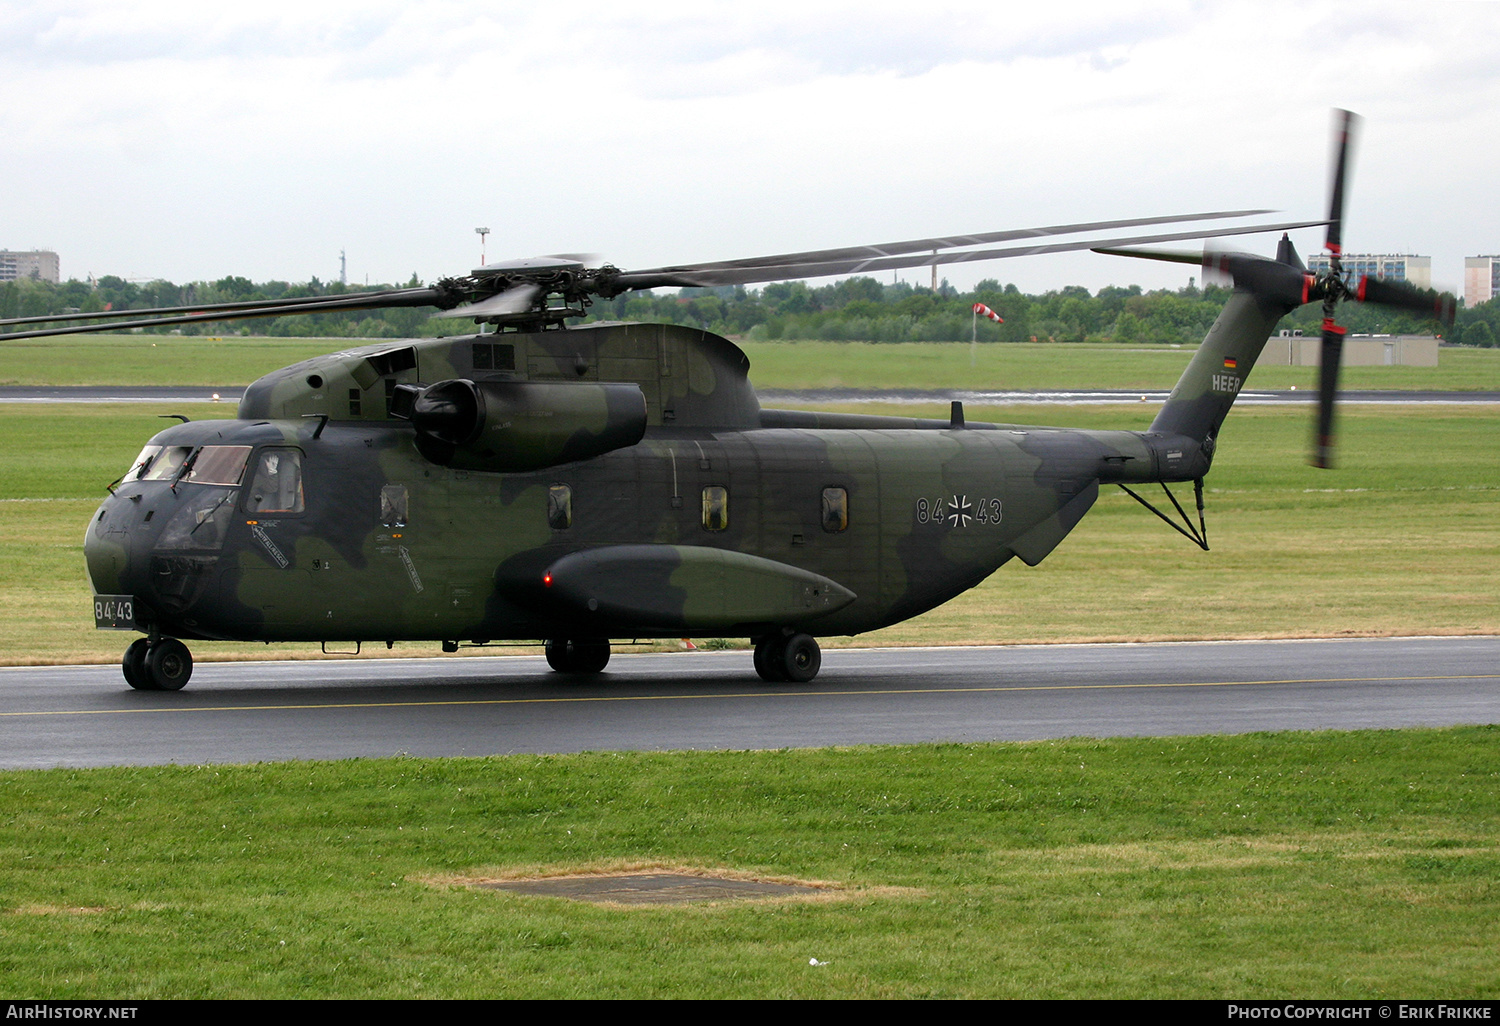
x=230 y=395
x=250 y=712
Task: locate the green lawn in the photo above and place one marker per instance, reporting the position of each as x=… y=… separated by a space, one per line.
x=1321 y=865
x=946 y=365
x=1307 y=865
x=169 y=360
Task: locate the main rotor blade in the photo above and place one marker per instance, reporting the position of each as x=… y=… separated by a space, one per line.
x=1405 y=296
x=1346 y=125
x=412 y=297
x=706 y=276
x=249 y=304
x=887 y=249
x=516 y=299
x=1169 y=255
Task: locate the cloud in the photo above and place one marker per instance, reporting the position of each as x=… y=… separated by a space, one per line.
x=682 y=131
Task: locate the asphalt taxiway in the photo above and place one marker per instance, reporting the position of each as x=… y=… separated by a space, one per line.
x=481 y=705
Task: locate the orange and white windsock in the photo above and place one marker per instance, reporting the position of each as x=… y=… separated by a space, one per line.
x=985 y=311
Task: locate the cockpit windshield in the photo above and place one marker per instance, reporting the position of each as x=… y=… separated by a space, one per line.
x=141 y=463
x=167 y=463
x=219 y=465
x=212 y=464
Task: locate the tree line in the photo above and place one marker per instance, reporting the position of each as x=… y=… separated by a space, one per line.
x=855 y=309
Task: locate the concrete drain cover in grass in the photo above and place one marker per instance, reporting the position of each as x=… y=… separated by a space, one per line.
x=649 y=888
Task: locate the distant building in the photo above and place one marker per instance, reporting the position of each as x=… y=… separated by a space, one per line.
x=1298 y=350
x=1481 y=279
x=1388 y=266
x=39 y=263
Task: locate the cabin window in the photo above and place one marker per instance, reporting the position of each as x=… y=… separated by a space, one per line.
x=277 y=484
x=835 y=510
x=393 y=499
x=559 y=507
x=715 y=508
x=219 y=465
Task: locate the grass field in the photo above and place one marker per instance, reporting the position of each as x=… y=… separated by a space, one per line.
x=944 y=365
x=1323 y=865
x=1327 y=865
x=167 y=360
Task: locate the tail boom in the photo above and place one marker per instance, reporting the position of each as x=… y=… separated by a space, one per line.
x=1195 y=411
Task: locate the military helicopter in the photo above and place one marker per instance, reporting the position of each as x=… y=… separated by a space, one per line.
x=573 y=484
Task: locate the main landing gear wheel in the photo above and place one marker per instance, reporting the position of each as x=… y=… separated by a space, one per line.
x=768 y=659
x=578 y=655
x=781 y=660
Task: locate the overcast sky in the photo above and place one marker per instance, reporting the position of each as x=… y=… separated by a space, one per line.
x=192 y=141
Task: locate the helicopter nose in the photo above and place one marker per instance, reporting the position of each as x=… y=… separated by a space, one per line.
x=106 y=546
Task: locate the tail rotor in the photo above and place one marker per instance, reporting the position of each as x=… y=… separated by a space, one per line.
x=1331 y=286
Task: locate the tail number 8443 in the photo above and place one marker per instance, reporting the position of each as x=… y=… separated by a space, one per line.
x=958 y=511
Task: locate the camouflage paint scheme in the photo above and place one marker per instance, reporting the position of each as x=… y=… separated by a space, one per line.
x=486 y=552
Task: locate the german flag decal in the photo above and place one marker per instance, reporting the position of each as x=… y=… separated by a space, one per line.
x=1230 y=363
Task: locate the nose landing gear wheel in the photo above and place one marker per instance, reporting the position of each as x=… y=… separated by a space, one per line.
x=169 y=664
x=133 y=665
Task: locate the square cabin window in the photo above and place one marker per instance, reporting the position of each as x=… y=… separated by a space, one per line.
x=835 y=510
x=559 y=507
x=715 y=508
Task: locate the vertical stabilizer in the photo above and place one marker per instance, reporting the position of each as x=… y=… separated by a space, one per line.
x=1207 y=389
x=1265 y=291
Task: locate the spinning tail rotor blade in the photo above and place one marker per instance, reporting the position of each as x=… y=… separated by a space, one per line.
x=1328 y=388
x=1424 y=302
x=1346 y=124
x=1346 y=127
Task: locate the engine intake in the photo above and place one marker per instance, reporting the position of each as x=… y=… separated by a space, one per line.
x=513 y=426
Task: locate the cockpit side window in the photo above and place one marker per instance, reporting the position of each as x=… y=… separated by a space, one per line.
x=393 y=505
x=276 y=484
